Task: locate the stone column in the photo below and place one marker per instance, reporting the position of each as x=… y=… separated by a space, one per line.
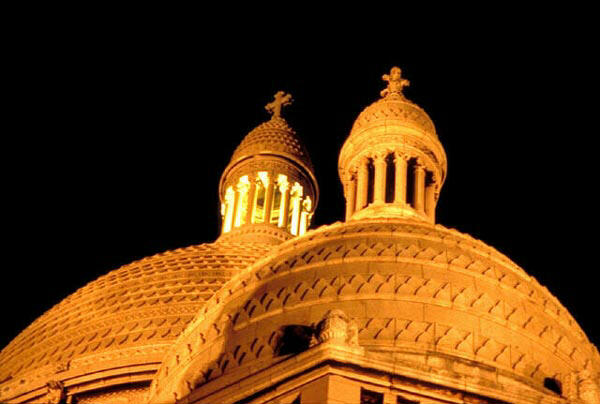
x=380 y=174
x=229 y=201
x=362 y=186
x=236 y=207
x=430 y=201
x=420 y=187
x=401 y=165
x=269 y=200
x=303 y=223
x=284 y=188
x=296 y=200
x=251 y=192
x=351 y=195
x=240 y=192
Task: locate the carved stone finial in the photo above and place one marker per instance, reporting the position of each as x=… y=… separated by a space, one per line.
x=281 y=100
x=395 y=83
x=55 y=392
x=337 y=327
x=589 y=392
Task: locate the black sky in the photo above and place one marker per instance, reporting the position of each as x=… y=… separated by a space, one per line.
x=122 y=135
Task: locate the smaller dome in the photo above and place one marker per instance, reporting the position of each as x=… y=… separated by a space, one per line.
x=392 y=164
x=273 y=137
x=268 y=191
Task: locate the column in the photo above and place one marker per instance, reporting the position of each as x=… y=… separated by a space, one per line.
x=380 y=174
x=419 y=187
x=351 y=195
x=430 y=201
x=236 y=206
x=362 y=186
x=229 y=200
x=285 y=203
x=251 y=192
x=269 y=199
x=296 y=199
x=401 y=165
x=303 y=223
x=240 y=193
x=305 y=215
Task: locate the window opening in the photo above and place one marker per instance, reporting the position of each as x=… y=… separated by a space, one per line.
x=275 y=209
x=553 y=385
x=410 y=183
x=390 y=178
x=370 y=397
x=370 y=181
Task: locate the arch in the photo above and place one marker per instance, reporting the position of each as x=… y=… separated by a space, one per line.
x=390 y=178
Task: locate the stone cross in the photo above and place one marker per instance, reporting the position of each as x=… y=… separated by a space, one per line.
x=281 y=100
x=395 y=82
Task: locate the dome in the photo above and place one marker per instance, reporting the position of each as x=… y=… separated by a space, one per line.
x=392 y=164
x=125 y=319
x=270 y=179
x=273 y=137
x=422 y=298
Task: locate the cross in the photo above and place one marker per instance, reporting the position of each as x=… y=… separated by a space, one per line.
x=281 y=100
x=395 y=82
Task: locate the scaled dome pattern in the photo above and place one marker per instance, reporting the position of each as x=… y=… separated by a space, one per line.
x=145 y=303
x=421 y=295
x=273 y=137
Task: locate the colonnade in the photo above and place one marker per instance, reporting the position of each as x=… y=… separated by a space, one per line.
x=361 y=192
x=267 y=198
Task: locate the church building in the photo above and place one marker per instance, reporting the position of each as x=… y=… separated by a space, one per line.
x=386 y=307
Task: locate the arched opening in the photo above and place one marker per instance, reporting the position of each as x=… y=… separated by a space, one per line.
x=259 y=202
x=553 y=385
x=410 y=183
x=390 y=178
x=276 y=206
x=370 y=181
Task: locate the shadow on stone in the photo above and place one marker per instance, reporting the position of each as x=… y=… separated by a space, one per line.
x=294 y=339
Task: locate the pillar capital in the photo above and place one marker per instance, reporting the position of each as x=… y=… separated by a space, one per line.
x=380 y=156
x=284 y=186
x=242 y=186
x=349 y=176
x=401 y=156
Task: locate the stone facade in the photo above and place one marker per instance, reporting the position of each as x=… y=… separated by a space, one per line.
x=386 y=307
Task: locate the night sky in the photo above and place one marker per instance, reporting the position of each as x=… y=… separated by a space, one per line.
x=122 y=139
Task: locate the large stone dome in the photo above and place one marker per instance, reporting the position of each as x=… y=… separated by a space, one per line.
x=123 y=322
x=424 y=299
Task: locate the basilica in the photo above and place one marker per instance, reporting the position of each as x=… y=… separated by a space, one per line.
x=387 y=307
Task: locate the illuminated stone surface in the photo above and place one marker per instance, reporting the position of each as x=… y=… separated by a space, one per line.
x=387 y=307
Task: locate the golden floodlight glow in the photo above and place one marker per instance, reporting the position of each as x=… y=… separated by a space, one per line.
x=385 y=307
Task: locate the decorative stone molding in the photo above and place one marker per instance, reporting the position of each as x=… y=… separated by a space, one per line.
x=55 y=392
x=336 y=327
x=589 y=392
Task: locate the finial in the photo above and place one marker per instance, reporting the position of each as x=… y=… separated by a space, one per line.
x=281 y=100
x=395 y=83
